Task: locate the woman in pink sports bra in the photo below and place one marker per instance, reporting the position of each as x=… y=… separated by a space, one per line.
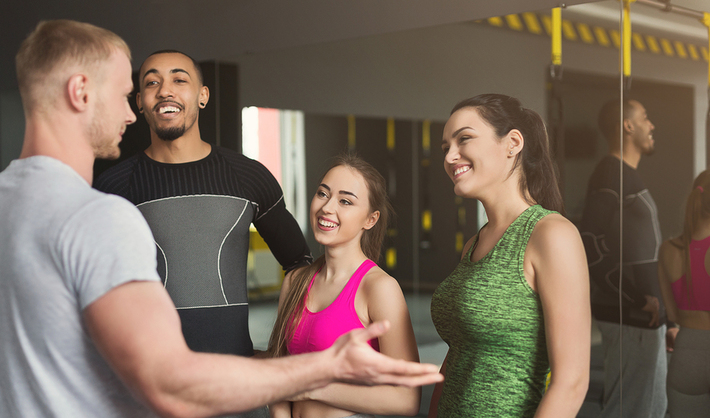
x=343 y=290
x=687 y=299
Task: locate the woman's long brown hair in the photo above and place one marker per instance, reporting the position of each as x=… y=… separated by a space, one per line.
x=697 y=210
x=291 y=308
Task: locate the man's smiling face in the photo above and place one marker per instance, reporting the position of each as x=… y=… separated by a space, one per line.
x=170 y=94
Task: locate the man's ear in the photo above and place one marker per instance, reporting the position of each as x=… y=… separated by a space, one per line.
x=204 y=96
x=78 y=92
x=628 y=126
x=138 y=102
x=372 y=219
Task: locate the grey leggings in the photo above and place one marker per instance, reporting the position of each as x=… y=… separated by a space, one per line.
x=360 y=416
x=688 y=384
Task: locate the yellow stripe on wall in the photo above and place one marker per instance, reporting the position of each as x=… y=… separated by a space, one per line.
x=391 y=258
x=426 y=135
x=532 y=23
x=514 y=22
x=568 y=30
x=693 y=52
x=390 y=134
x=426 y=220
x=667 y=48
x=585 y=33
x=547 y=23
x=602 y=36
x=351 y=132
x=639 y=44
x=652 y=43
x=615 y=38
x=495 y=21
x=535 y=23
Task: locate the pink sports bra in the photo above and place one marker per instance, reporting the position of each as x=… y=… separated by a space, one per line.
x=319 y=330
x=700 y=299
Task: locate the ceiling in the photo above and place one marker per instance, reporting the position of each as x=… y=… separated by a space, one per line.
x=224 y=29
x=218 y=29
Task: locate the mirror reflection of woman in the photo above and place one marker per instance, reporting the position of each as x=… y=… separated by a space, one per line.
x=687 y=300
x=517 y=305
x=344 y=289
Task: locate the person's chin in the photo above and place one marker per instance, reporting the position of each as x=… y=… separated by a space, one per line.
x=106 y=154
x=170 y=134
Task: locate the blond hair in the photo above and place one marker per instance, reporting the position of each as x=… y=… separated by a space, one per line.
x=56 y=45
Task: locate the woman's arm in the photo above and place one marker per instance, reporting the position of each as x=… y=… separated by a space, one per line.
x=434 y=404
x=559 y=268
x=670 y=268
x=384 y=300
x=282 y=409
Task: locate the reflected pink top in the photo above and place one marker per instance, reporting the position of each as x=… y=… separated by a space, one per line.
x=700 y=298
x=319 y=330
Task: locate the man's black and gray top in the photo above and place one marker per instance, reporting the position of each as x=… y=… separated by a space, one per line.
x=199 y=213
x=641 y=240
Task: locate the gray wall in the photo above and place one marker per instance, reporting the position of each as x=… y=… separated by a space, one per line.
x=420 y=74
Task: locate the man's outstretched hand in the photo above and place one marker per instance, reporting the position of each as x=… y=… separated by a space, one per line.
x=357 y=363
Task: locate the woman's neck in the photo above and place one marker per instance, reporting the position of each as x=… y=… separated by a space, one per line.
x=503 y=210
x=702 y=229
x=341 y=261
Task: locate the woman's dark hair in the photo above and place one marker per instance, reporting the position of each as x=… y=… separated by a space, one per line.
x=538 y=181
x=697 y=212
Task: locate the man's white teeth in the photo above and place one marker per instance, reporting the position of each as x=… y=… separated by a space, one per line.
x=327 y=224
x=169 y=109
x=461 y=170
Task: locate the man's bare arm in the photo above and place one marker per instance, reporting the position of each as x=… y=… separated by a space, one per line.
x=137 y=329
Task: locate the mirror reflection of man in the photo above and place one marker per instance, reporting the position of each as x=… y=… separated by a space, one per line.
x=199 y=200
x=642 y=312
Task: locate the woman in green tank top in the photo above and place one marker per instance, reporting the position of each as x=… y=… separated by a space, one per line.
x=517 y=305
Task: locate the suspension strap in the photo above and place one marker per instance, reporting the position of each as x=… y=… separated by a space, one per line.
x=626 y=45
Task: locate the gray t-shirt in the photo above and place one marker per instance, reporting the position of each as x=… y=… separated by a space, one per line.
x=62 y=246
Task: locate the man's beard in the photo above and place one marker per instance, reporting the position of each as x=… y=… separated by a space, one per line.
x=98 y=132
x=170 y=134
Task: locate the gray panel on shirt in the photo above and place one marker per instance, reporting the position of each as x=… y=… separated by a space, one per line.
x=203 y=243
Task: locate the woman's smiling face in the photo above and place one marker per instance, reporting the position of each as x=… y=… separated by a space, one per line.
x=474 y=157
x=340 y=209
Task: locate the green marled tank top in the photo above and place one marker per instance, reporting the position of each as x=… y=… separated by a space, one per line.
x=492 y=321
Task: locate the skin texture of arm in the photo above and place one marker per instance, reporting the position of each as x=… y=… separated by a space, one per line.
x=556 y=261
x=385 y=301
x=280 y=410
x=137 y=329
